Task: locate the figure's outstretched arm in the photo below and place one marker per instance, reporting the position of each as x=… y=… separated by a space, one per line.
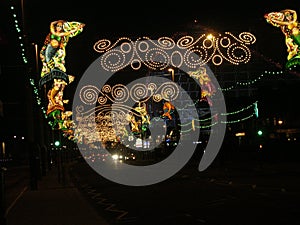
x=64 y=33
x=281 y=22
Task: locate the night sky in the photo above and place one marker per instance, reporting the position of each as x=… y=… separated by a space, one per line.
x=105 y=19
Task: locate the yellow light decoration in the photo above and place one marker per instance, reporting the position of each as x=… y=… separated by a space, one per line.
x=288 y=23
x=163 y=52
x=111 y=111
x=108 y=120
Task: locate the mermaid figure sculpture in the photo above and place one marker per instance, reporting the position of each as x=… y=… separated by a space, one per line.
x=208 y=89
x=287 y=21
x=53 y=51
x=53 y=72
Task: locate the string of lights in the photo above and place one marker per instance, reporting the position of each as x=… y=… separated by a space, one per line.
x=252 y=81
x=19 y=33
x=253 y=113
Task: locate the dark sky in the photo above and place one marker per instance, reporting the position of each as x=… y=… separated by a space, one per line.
x=113 y=19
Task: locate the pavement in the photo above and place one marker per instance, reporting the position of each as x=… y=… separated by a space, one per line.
x=53 y=202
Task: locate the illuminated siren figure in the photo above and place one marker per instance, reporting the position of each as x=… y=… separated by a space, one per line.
x=207 y=87
x=52 y=56
x=140 y=120
x=287 y=21
x=168 y=109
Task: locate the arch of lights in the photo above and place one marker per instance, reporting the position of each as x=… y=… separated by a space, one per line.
x=156 y=55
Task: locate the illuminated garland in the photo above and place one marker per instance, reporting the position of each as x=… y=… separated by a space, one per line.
x=18 y=29
x=253 y=81
x=106 y=119
x=254 y=113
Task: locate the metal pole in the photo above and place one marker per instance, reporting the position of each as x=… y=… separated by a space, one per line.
x=23 y=16
x=36 y=58
x=2 y=196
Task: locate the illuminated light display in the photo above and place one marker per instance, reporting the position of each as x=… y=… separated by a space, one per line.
x=214 y=47
x=158 y=55
x=208 y=89
x=163 y=53
x=168 y=109
x=287 y=21
x=115 y=97
x=52 y=55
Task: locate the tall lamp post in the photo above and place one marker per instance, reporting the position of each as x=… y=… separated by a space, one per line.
x=42 y=133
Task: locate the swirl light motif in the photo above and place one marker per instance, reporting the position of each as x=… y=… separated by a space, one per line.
x=158 y=55
x=107 y=120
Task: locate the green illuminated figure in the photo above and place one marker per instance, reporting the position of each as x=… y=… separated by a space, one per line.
x=52 y=55
x=288 y=23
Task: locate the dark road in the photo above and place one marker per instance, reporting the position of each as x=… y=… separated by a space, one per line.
x=231 y=194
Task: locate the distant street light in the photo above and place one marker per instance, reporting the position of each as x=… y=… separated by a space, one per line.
x=36 y=58
x=57 y=143
x=172 y=73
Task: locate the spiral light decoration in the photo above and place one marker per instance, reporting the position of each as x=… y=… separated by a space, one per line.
x=163 y=52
